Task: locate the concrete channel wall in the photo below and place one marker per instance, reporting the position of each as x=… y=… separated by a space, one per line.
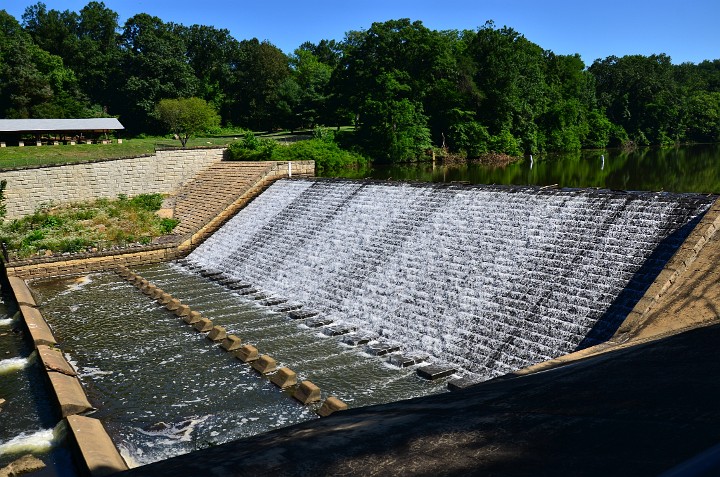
x=96 y=454
x=163 y=172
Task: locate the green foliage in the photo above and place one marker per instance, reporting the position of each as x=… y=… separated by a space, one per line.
x=33 y=82
x=81 y=227
x=186 y=117
x=150 y=202
x=251 y=148
x=328 y=156
x=404 y=86
x=599 y=131
x=469 y=137
x=506 y=143
x=167 y=225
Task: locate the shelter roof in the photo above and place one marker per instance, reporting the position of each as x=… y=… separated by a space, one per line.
x=49 y=125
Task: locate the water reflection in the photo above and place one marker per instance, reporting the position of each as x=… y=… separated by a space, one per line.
x=681 y=169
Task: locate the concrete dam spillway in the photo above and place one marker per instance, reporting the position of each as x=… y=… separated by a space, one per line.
x=483 y=279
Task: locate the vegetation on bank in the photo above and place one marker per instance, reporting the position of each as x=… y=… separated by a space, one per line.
x=405 y=88
x=322 y=148
x=85 y=227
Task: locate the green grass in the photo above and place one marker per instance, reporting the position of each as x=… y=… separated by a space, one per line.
x=34 y=156
x=12 y=157
x=84 y=227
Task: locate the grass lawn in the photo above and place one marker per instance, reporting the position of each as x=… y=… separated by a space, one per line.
x=33 y=156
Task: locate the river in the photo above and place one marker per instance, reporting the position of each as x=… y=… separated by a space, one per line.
x=679 y=169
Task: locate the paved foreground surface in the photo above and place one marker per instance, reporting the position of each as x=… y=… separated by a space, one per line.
x=636 y=411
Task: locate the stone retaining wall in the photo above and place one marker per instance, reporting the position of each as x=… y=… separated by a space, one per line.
x=164 y=172
x=133 y=257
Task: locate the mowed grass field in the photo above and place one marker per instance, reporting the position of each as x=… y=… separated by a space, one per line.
x=13 y=157
x=33 y=156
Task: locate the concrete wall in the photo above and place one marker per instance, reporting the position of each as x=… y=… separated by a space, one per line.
x=163 y=172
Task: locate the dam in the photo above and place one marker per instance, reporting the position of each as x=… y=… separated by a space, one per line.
x=477 y=280
x=485 y=280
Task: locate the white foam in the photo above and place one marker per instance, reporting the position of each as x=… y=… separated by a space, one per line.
x=6 y=321
x=77 y=284
x=181 y=431
x=12 y=364
x=36 y=442
x=131 y=459
x=487 y=279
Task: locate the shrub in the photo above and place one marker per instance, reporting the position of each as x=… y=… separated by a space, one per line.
x=150 y=202
x=52 y=222
x=506 y=143
x=73 y=245
x=251 y=148
x=167 y=225
x=328 y=156
x=469 y=137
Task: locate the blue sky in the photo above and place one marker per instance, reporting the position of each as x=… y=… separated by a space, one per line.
x=687 y=30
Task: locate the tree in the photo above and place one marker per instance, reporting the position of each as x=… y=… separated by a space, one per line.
x=258 y=69
x=186 y=117
x=640 y=94
x=33 y=82
x=312 y=77
x=386 y=80
x=210 y=53
x=509 y=72
x=87 y=42
x=153 y=67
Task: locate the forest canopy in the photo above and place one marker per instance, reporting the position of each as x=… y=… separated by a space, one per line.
x=404 y=87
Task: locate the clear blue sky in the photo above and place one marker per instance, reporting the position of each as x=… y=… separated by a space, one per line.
x=687 y=30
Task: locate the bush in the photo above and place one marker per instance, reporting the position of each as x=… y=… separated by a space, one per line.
x=506 y=143
x=328 y=156
x=150 y=202
x=75 y=228
x=470 y=138
x=251 y=148
x=167 y=225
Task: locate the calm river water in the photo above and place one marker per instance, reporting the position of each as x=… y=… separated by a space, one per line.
x=682 y=169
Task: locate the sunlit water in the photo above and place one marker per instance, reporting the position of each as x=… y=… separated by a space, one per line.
x=163 y=389
x=484 y=279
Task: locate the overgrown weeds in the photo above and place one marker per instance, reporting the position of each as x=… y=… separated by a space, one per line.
x=86 y=227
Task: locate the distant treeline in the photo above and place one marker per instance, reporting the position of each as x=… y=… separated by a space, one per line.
x=405 y=87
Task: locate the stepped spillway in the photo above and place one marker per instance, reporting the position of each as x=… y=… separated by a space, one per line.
x=486 y=279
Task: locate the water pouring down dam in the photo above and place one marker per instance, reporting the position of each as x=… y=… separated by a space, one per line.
x=485 y=279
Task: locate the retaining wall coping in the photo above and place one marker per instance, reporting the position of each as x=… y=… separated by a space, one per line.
x=53 y=360
x=39 y=330
x=22 y=293
x=98 y=455
x=69 y=394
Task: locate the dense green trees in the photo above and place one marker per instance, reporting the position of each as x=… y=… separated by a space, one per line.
x=34 y=82
x=404 y=87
